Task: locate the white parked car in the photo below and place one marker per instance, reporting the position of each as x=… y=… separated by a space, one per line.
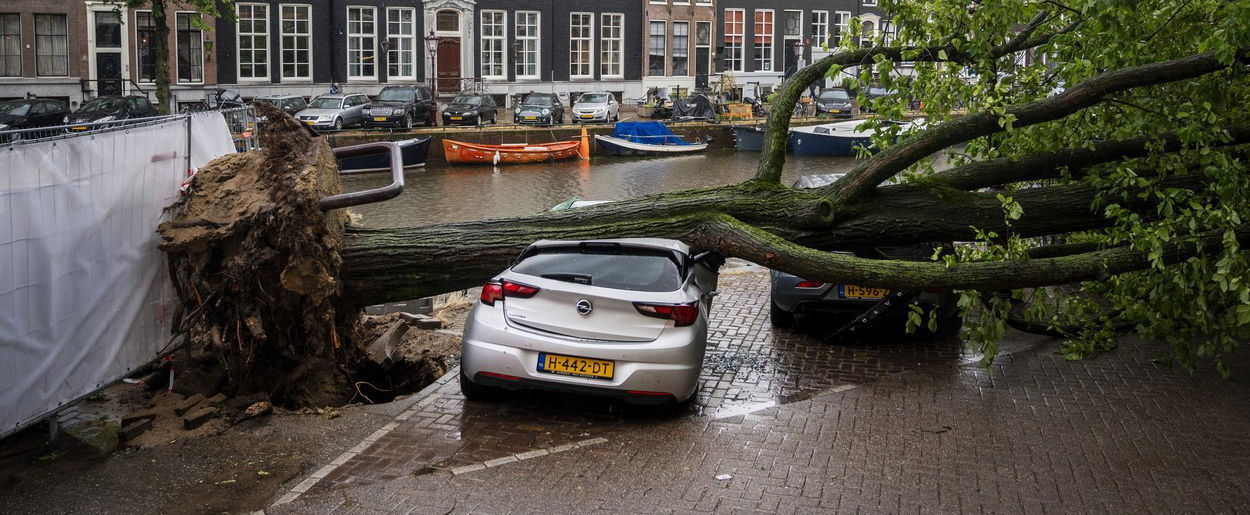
x=597 y=106
x=624 y=318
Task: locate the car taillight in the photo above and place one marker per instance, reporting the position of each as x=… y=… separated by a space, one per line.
x=680 y=314
x=809 y=284
x=492 y=292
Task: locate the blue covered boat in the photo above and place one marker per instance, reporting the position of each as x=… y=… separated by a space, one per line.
x=645 y=139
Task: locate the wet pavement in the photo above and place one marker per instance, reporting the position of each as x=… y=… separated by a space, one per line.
x=793 y=424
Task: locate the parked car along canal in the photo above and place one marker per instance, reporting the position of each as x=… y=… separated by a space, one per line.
x=110 y=108
x=599 y=106
x=540 y=109
x=401 y=107
x=623 y=318
x=335 y=111
x=31 y=112
x=471 y=110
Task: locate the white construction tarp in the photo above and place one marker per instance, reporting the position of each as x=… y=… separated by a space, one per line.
x=84 y=292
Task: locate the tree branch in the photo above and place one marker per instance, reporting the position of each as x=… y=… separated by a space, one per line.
x=773 y=152
x=735 y=238
x=1047 y=165
x=861 y=181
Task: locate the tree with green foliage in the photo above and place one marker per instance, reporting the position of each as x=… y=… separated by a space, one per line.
x=1100 y=187
x=160 y=41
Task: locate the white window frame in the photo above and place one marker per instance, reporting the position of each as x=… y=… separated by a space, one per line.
x=282 y=34
x=394 y=54
x=703 y=2
x=588 y=40
x=536 y=39
x=870 y=3
x=762 y=58
x=742 y=41
x=200 y=54
x=501 y=39
x=238 y=42
x=370 y=36
x=842 y=21
x=672 y=48
x=664 y=52
x=605 y=50
x=822 y=34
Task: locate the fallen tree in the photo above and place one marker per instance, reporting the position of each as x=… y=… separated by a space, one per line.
x=1128 y=208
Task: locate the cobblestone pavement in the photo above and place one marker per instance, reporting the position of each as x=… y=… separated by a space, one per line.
x=787 y=423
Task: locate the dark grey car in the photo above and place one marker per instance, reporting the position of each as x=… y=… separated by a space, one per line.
x=792 y=295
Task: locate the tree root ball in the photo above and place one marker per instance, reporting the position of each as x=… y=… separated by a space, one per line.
x=256 y=263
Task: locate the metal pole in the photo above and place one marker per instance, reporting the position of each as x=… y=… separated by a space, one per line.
x=188 y=171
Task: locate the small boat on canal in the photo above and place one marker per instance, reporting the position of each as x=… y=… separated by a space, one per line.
x=461 y=152
x=835 y=139
x=413 y=151
x=749 y=138
x=645 y=139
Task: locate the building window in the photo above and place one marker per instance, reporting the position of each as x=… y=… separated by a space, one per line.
x=820 y=28
x=190 y=49
x=612 y=32
x=527 y=34
x=681 y=49
x=735 y=32
x=494 y=39
x=362 y=35
x=10 y=45
x=656 y=48
x=447 y=21
x=581 y=44
x=296 y=40
x=841 y=25
x=763 y=41
x=401 y=31
x=870 y=3
x=51 y=46
x=253 y=41
x=887 y=33
x=145 y=32
x=868 y=31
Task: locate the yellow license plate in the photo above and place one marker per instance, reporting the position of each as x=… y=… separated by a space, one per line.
x=531 y=117
x=310 y=122
x=573 y=366
x=79 y=128
x=379 y=118
x=851 y=291
x=457 y=118
x=835 y=110
x=588 y=116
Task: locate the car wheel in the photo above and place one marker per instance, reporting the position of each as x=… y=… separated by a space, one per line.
x=338 y=124
x=407 y=120
x=780 y=318
x=476 y=392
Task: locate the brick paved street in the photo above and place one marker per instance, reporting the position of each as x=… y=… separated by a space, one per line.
x=802 y=426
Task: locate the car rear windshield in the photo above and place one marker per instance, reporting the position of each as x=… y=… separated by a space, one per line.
x=15 y=109
x=326 y=103
x=834 y=94
x=537 y=100
x=397 y=95
x=103 y=104
x=621 y=269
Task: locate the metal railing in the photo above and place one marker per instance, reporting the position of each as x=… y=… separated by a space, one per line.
x=244 y=127
x=14 y=136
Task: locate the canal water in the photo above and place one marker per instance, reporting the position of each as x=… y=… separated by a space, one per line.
x=452 y=193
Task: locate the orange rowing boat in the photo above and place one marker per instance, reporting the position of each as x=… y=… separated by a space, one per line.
x=510 y=153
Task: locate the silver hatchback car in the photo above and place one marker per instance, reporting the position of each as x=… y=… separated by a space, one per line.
x=624 y=318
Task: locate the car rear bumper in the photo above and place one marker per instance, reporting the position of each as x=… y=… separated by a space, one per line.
x=668 y=365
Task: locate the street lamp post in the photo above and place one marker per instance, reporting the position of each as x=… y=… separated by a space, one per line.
x=431 y=46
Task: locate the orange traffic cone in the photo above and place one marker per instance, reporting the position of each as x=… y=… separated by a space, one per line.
x=583 y=150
